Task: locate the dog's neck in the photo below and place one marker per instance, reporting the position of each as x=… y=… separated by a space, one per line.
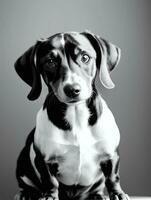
x=61 y=114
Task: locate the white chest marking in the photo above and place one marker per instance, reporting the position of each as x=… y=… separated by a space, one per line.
x=84 y=140
x=79 y=151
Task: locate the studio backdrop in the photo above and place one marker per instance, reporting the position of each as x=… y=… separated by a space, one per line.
x=124 y=23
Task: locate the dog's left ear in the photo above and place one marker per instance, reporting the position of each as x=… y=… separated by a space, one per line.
x=26 y=68
x=108 y=56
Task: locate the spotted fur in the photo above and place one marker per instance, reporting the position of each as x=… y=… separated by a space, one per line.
x=72 y=151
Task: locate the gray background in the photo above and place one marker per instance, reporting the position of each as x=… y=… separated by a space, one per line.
x=125 y=23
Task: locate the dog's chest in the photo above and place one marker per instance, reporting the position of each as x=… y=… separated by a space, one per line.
x=78 y=152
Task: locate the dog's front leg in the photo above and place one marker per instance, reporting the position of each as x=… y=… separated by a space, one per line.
x=35 y=178
x=48 y=178
x=51 y=194
x=110 y=169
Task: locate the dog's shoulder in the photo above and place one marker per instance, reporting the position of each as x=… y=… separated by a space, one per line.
x=106 y=130
x=104 y=114
x=44 y=126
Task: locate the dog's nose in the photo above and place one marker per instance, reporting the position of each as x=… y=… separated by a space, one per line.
x=72 y=90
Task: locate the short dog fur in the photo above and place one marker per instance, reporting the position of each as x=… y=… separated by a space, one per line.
x=72 y=153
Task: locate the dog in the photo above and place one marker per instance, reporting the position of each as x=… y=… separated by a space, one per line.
x=72 y=153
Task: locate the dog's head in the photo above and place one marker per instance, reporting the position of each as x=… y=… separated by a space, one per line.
x=68 y=63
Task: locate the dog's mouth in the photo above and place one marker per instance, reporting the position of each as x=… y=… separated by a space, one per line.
x=70 y=101
x=67 y=101
x=73 y=101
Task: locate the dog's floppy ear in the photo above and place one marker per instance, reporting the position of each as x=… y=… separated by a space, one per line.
x=108 y=56
x=26 y=68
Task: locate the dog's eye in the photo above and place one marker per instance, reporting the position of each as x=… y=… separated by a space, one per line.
x=85 y=58
x=52 y=58
x=51 y=61
x=50 y=64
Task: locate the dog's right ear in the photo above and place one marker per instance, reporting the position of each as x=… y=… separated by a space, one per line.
x=26 y=68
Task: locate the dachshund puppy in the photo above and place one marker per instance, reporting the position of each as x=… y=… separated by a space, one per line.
x=72 y=153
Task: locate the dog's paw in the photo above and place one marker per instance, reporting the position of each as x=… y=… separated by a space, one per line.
x=120 y=196
x=21 y=196
x=48 y=198
x=97 y=197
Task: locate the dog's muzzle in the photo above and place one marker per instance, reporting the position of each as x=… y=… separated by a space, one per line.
x=72 y=90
